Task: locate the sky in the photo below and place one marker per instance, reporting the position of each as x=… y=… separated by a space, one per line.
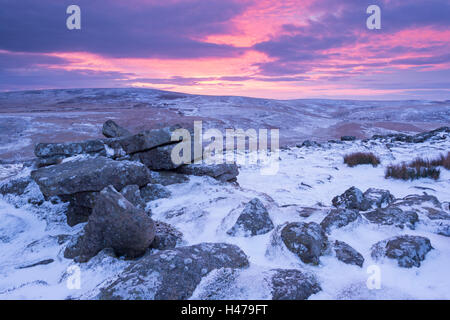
x=282 y=49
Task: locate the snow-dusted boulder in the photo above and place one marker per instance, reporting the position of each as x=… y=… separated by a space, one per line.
x=254 y=220
x=166 y=236
x=338 y=218
x=292 y=284
x=133 y=194
x=306 y=240
x=111 y=129
x=166 y=178
x=222 y=172
x=347 y=254
x=152 y=192
x=53 y=153
x=172 y=274
x=114 y=223
x=352 y=198
x=378 y=198
x=90 y=174
x=408 y=250
x=15 y=186
x=392 y=216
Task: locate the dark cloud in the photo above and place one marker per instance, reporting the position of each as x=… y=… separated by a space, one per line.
x=158 y=29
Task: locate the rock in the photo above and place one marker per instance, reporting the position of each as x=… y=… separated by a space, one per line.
x=254 y=220
x=292 y=284
x=152 y=192
x=15 y=186
x=419 y=200
x=113 y=130
x=64 y=150
x=77 y=214
x=378 y=198
x=166 y=178
x=114 y=223
x=347 y=254
x=159 y=158
x=306 y=240
x=88 y=175
x=408 y=250
x=39 y=263
x=172 y=274
x=338 y=218
x=348 y=138
x=308 y=144
x=352 y=198
x=166 y=236
x=133 y=194
x=148 y=139
x=222 y=172
x=43 y=162
x=392 y=216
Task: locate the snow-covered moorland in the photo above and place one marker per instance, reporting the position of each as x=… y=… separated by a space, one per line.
x=275 y=257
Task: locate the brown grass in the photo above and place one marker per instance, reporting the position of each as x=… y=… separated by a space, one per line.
x=406 y=172
x=357 y=158
x=419 y=168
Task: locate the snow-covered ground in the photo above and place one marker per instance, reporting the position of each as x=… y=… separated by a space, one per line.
x=204 y=209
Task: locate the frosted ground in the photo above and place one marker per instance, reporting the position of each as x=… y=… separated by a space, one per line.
x=203 y=209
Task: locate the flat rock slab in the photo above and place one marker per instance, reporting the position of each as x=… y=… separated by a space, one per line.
x=222 y=172
x=48 y=150
x=91 y=174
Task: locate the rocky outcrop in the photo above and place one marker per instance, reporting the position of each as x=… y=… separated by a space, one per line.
x=338 y=218
x=292 y=284
x=111 y=129
x=308 y=241
x=223 y=172
x=408 y=250
x=347 y=254
x=88 y=175
x=417 y=138
x=172 y=274
x=254 y=220
x=114 y=223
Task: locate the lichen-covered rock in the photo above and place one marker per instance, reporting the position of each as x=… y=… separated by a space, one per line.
x=166 y=236
x=352 y=198
x=306 y=240
x=172 y=274
x=88 y=175
x=113 y=130
x=338 y=218
x=222 y=172
x=408 y=250
x=114 y=223
x=133 y=194
x=64 y=150
x=15 y=186
x=392 y=216
x=254 y=220
x=292 y=284
x=378 y=198
x=159 y=158
x=152 y=192
x=347 y=254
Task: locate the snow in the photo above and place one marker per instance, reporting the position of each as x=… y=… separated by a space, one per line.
x=203 y=209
